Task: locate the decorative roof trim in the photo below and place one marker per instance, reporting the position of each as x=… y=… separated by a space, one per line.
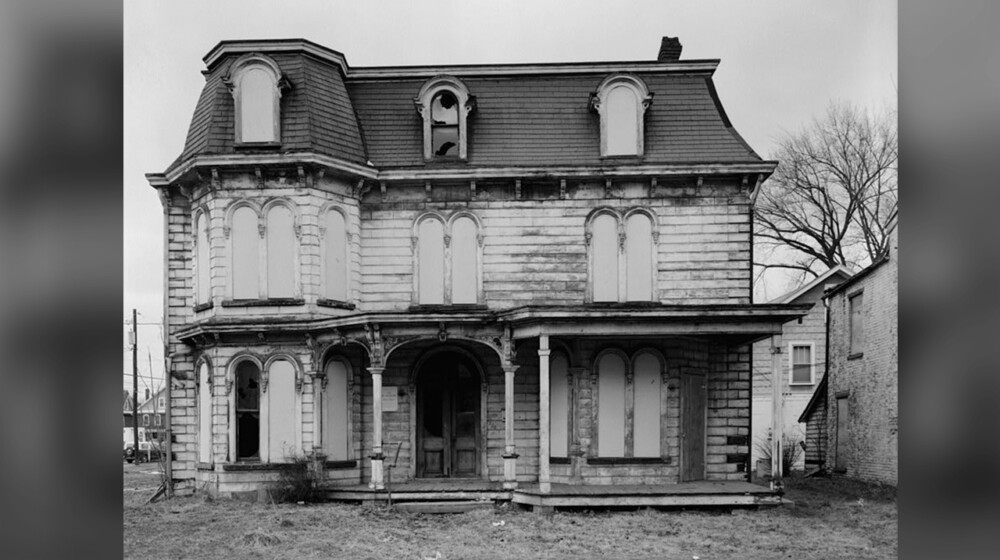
x=225 y=48
x=764 y=167
x=684 y=67
x=284 y=158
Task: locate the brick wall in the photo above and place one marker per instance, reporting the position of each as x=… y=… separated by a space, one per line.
x=870 y=380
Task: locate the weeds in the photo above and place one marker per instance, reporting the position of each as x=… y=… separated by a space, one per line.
x=791 y=451
x=297 y=482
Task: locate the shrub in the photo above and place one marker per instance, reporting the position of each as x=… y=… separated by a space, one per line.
x=296 y=482
x=791 y=451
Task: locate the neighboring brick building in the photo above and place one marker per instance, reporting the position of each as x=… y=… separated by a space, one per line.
x=854 y=414
x=529 y=273
x=803 y=363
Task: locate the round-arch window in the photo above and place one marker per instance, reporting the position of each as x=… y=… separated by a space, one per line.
x=444 y=124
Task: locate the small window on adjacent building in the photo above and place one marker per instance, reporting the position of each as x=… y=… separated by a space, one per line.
x=161 y=403
x=801 y=357
x=444 y=104
x=156 y=419
x=857 y=327
x=145 y=419
x=621 y=100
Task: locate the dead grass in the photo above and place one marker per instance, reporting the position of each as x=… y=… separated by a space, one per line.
x=831 y=519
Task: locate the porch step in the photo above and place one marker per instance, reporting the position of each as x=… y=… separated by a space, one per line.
x=461 y=506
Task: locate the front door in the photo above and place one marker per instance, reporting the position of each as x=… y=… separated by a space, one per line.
x=448 y=418
x=694 y=391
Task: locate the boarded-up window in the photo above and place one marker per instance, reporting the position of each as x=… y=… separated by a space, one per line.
x=464 y=261
x=246 y=266
x=335 y=411
x=281 y=411
x=247 y=411
x=857 y=325
x=843 y=433
x=622 y=122
x=558 y=406
x=201 y=260
x=611 y=406
x=335 y=256
x=204 y=414
x=280 y=253
x=604 y=230
x=646 y=417
x=802 y=364
x=257 y=103
x=639 y=257
x=431 y=262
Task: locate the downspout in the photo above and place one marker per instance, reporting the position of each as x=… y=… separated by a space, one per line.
x=826 y=372
x=168 y=381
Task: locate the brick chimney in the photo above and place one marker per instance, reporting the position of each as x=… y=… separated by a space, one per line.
x=670 y=49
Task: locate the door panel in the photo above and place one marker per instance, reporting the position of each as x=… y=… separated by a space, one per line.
x=448 y=418
x=694 y=391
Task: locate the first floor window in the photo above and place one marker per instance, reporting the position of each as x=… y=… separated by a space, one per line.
x=622 y=405
x=247 y=411
x=335 y=411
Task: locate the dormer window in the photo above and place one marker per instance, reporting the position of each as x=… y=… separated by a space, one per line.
x=444 y=105
x=256 y=84
x=621 y=101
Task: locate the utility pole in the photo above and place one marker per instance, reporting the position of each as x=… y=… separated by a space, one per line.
x=135 y=383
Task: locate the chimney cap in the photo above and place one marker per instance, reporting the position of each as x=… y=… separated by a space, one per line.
x=670 y=49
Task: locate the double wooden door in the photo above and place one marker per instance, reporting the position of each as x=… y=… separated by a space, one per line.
x=448 y=416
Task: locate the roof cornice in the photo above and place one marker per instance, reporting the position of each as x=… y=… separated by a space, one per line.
x=271 y=46
x=763 y=168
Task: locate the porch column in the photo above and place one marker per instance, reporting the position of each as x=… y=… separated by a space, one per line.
x=377 y=456
x=777 y=421
x=543 y=414
x=509 y=456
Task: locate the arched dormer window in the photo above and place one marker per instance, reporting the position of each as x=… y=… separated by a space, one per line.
x=256 y=83
x=621 y=101
x=444 y=105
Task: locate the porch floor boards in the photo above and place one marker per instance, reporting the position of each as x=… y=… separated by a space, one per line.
x=685 y=494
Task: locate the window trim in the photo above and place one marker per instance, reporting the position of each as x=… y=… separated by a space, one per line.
x=791 y=363
x=629 y=443
x=349 y=368
x=233 y=81
x=466 y=103
x=621 y=221
x=447 y=223
x=349 y=239
x=643 y=100
x=231 y=390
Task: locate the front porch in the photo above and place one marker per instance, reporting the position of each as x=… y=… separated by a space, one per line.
x=684 y=494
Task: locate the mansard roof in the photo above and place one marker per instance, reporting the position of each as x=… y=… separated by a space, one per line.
x=526 y=115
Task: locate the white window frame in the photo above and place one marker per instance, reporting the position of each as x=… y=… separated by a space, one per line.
x=812 y=363
x=262 y=275
x=233 y=81
x=145 y=420
x=161 y=403
x=326 y=273
x=643 y=99
x=466 y=103
x=230 y=253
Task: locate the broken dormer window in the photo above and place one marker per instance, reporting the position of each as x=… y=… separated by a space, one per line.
x=444 y=124
x=444 y=105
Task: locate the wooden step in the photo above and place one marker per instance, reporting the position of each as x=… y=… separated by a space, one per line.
x=442 y=507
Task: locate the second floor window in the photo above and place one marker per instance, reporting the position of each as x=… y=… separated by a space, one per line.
x=447 y=259
x=335 y=255
x=281 y=247
x=801 y=356
x=264 y=260
x=622 y=256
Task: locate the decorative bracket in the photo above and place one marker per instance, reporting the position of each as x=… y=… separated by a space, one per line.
x=442 y=332
x=225 y=230
x=472 y=188
x=297 y=228
x=259 y=174
x=381 y=188
x=215 y=178
x=607 y=188
x=517 y=189
x=374 y=335
x=261 y=228
x=263 y=381
x=427 y=191
x=447 y=240
x=302 y=177
x=701 y=180
x=562 y=189
x=229 y=386
x=480 y=239
x=587 y=237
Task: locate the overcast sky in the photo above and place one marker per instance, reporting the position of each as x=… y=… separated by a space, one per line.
x=782 y=63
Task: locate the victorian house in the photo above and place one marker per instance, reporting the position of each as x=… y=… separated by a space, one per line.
x=527 y=279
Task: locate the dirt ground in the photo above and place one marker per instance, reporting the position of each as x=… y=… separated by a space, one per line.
x=831 y=519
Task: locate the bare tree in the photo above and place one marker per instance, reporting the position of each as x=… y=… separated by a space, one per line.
x=830 y=199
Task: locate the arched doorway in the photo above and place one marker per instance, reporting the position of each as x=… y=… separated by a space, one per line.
x=448 y=416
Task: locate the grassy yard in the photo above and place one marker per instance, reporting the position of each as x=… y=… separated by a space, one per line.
x=830 y=519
